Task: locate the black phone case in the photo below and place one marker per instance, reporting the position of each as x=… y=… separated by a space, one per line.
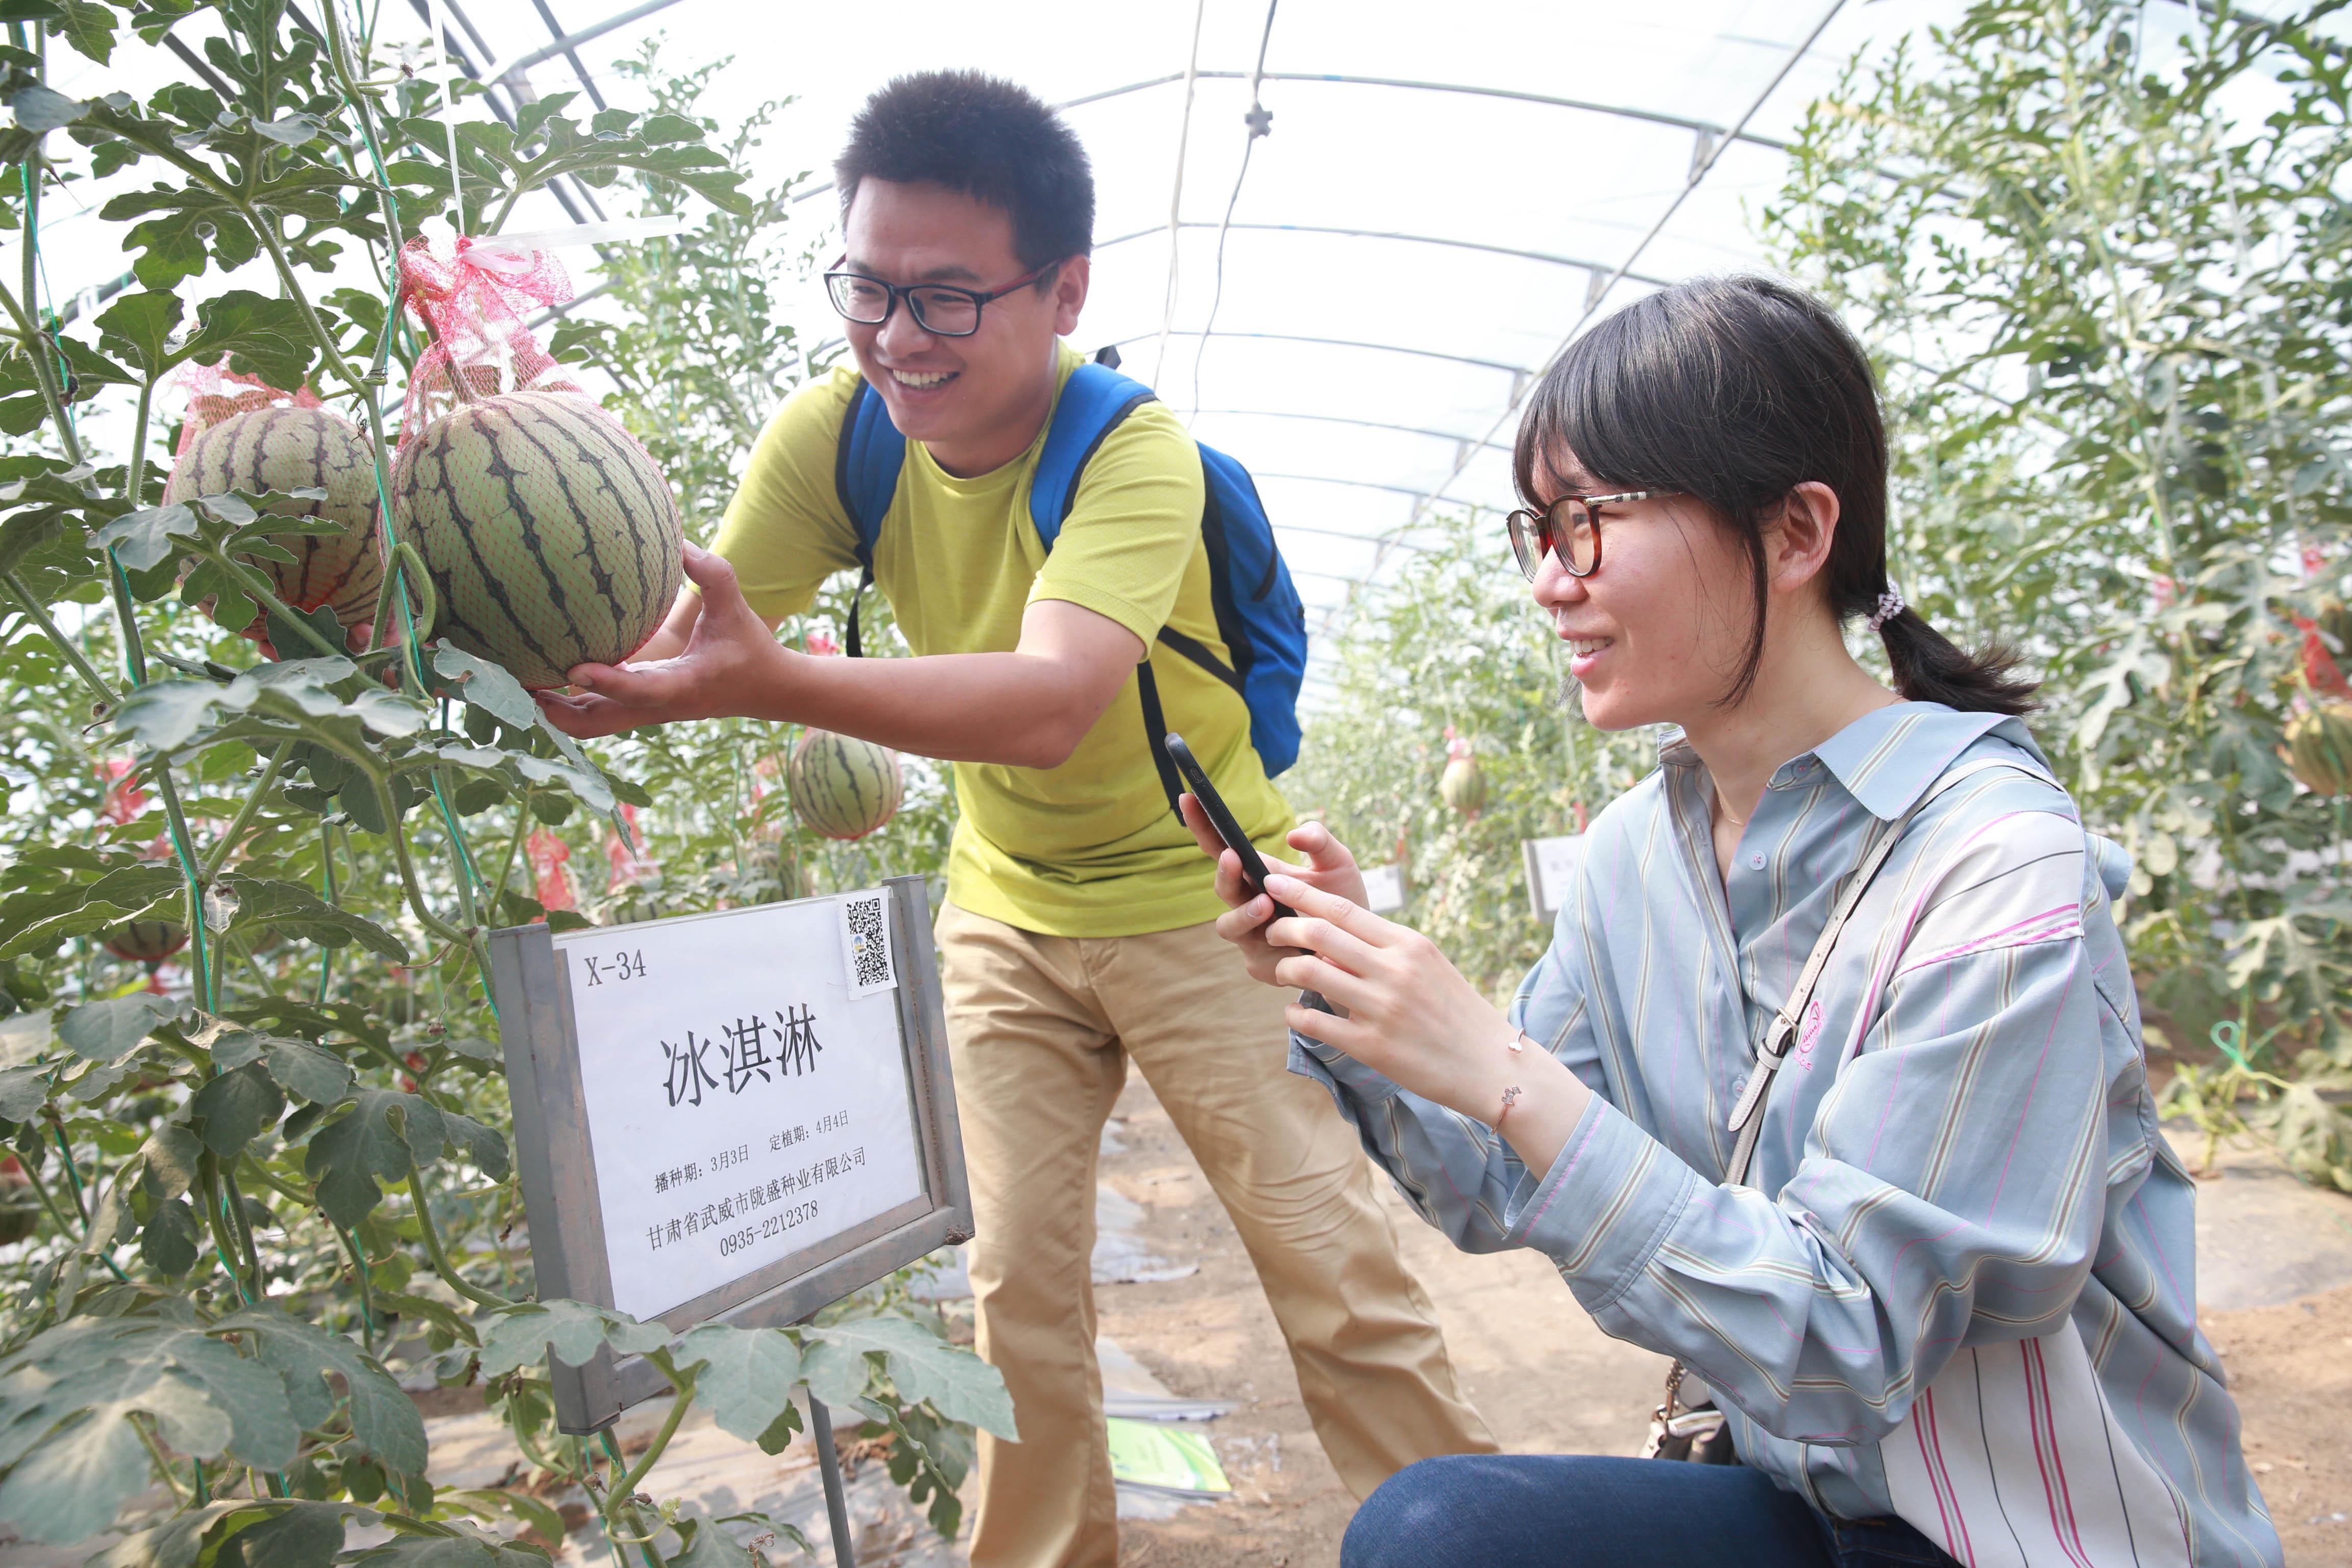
x=1221 y=817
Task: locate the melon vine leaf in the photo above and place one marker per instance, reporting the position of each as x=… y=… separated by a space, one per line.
x=292 y=909
x=22 y=1090
x=957 y=1384
x=702 y=1544
x=573 y=1331
x=384 y=1420
x=109 y=1030
x=35 y=922
x=170 y=1241
x=169 y=1159
x=382 y=1132
x=234 y=1108
x=748 y=1376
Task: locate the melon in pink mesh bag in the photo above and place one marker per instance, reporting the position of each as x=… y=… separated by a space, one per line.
x=552 y=536
x=242 y=434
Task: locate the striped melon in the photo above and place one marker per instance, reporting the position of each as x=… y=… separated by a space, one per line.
x=286 y=448
x=842 y=786
x=146 y=942
x=553 y=537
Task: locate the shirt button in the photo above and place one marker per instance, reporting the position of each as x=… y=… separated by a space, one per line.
x=1756 y=859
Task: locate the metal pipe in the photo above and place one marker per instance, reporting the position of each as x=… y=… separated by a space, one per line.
x=1341 y=344
x=555 y=30
x=507 y=69
x=1342 y=419
x=1602 y=268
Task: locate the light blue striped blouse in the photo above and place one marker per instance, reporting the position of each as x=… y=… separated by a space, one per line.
x=1962 y=1151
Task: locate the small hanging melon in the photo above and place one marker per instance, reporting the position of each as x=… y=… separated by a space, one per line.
x=1463 y=785
x=842 y=786
x=2320 y=747
x=146 y=942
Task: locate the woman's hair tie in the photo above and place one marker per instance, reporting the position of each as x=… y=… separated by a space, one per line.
x=1890 y=604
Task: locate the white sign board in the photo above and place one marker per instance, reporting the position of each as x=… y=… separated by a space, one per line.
x=1384 y=888
x=744 y=1115
x=1551 y=871
x=745 y=1087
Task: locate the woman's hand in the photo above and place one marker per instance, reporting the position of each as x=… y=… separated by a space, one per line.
x=1409 y=1016
x=1329 y=867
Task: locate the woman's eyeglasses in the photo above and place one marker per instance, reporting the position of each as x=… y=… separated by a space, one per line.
x=1570 y=528
x=941 y=308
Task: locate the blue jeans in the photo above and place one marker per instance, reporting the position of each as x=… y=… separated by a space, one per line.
x=1536 y=1510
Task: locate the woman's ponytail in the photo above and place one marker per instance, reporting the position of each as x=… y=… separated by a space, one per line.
x=1929 y=667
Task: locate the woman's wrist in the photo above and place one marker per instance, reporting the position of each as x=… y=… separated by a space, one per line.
x=1536 y=1102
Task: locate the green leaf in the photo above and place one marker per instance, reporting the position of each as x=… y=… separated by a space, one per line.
x=36 y=922
x=181 y=1541
x=171 y=1240
x=151 y=535
x=22 y=1090
x=747 y=1375
x=305 y=1535
x=957 y=1384
x=72 y=1485
x=109 y=1030
x=384 y=1420
x=170 y=1156
x=40 y=110
x=383 y=1131
x=164 y=715
x=291 y=909
x=572 y=1331
x=88 y=26
x=705 y=1545
x=262 y=336
x=235 y=1107
x=484 y=1146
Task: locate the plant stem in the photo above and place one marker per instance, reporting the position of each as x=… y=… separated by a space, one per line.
x=625 y=1487
x=134 y=471
x=41 y=1191
x=241 y=1225
x=181 y=1496
x=441 y=1264
x=245 y=813
x=359 y=1273
x=64 y=646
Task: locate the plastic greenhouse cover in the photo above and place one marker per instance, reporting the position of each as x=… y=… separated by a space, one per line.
x=1442 y=196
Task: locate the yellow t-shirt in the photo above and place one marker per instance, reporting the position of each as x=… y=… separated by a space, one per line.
x=1088 y=849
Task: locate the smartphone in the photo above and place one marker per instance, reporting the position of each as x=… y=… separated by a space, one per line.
x=1221 y=817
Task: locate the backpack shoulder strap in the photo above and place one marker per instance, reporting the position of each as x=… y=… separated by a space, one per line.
x=1095 y=401
x=865 y=463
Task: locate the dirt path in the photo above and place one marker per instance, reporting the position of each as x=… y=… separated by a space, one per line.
x=1549 y=1381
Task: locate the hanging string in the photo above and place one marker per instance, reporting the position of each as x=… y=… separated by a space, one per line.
x=1176 y=196
x=1260 y=122
x=448 y=116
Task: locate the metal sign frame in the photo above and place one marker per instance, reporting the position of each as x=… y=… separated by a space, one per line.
x=555 y=1159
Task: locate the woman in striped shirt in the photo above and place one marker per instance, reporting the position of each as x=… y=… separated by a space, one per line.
x=1947 y=1303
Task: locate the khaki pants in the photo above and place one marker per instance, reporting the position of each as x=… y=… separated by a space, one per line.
x=1041 y=1028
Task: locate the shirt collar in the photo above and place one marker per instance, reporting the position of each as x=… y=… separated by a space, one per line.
x=1888 y=757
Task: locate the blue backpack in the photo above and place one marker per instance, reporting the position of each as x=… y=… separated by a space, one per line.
x=1259 y=615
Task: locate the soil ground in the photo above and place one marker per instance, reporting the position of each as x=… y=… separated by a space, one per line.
x=1547 y=1380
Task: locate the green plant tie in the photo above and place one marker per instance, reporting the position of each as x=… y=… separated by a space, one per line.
x=620 y=1472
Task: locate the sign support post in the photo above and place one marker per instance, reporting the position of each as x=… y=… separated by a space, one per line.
x=836 y=1498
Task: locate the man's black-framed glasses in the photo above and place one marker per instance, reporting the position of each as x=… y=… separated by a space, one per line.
x=1570 y=528
x=941 y=310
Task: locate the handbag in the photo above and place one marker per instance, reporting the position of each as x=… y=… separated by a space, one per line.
x=1697 y=1432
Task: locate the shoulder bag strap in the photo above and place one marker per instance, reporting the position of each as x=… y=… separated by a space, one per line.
x=1746 y=1117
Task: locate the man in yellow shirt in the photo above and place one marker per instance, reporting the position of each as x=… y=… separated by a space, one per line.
x=1077 y=930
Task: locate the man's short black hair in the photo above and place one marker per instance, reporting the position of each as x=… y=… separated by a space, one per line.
x=984 y=138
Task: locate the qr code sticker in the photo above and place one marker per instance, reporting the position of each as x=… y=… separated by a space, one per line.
x=865 y=944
